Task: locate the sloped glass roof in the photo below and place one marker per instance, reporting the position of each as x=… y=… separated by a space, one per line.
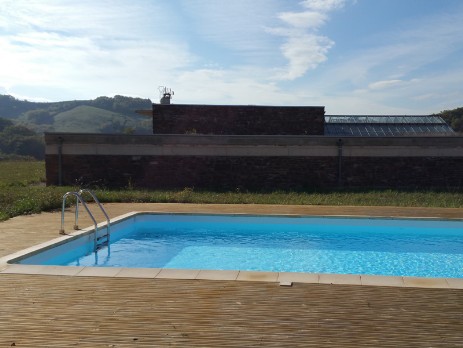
x=370 y=126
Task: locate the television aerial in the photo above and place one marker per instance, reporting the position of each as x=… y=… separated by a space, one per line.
x=165 y=95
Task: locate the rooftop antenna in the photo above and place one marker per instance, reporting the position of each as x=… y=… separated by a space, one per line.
x=165 y=94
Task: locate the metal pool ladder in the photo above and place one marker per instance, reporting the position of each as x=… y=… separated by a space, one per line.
x=99 y=241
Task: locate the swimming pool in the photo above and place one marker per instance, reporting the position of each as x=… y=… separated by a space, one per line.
x=400 y=247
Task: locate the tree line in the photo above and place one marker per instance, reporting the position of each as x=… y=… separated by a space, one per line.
x=454 y=118
x=19 y=142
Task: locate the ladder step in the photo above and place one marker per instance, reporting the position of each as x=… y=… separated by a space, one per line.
x=100 y=246
x=101 y=242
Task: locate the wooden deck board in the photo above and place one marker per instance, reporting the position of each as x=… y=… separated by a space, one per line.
x=62 y=311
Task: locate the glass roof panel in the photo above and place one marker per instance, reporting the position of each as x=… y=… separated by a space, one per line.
x=383 y=125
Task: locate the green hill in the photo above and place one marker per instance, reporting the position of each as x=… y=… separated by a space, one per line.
x=22 y=123
x=89 y=119
x=12 y=108
x=101 y=115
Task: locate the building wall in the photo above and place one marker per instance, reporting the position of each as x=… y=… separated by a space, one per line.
x=238 y=119
x=253 y=162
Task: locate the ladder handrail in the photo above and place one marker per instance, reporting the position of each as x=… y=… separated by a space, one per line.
x=108 y=226
x=79 y=198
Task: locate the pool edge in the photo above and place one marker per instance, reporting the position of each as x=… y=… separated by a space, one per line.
x=283 y=278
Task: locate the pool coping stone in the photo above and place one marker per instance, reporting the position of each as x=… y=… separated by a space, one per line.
x=236 y=275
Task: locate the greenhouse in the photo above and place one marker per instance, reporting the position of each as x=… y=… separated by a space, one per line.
x=381 y=126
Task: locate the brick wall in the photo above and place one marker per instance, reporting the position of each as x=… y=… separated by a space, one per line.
x=239 y=120
x=253 y=163
x=205 y=172
x=402 y=172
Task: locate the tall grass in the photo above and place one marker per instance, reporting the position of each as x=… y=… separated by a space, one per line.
x=22 y=191
x=335 y=197
x=21 y=173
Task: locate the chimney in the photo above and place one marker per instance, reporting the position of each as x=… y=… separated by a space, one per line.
x=165 y=100
x=166 y=94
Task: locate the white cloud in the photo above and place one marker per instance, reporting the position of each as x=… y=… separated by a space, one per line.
x=87 y=48
x=323 y=5
x=378 y=85
x=394 y=84
x=83 y=18
x=414 y=70
x=238 y=86
x=304 y=20
x=130 y=48
x=238 y=26
x=50 y=59
x=303 y=48
x=304 y=52
x=428 y=94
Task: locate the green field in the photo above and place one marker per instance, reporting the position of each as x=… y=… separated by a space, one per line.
x=22 y=191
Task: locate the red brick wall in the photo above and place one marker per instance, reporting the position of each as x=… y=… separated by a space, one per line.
x=265 y=162
x=238 y=119
x=402 y=172
x=255 y=173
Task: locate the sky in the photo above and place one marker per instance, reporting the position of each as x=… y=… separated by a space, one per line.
x=351 y=56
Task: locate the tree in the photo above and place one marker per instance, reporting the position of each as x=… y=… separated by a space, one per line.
x=454 y=118
x=20 y=140
x=39 y=116
x=30 y=146
x=17 y=131
x=4 y=123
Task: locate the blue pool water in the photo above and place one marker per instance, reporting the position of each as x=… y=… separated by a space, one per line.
x=404 y=247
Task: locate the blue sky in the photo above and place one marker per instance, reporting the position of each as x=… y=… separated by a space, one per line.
x=352 y=56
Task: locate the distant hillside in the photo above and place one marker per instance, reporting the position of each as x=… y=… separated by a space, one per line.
x=89 y=119
x=454 y=118
x=101 y=115
x=13 y=108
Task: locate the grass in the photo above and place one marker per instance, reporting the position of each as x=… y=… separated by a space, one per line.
x=22 y=191
x=21 y=173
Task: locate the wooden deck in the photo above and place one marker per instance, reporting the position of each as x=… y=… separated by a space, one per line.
x=62 y=311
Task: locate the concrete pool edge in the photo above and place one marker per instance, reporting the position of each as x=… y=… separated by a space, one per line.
x=284 y=278
x=62 y=239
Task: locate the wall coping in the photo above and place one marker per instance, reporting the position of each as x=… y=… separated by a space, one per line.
x=241 y=106
x=251 y=140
